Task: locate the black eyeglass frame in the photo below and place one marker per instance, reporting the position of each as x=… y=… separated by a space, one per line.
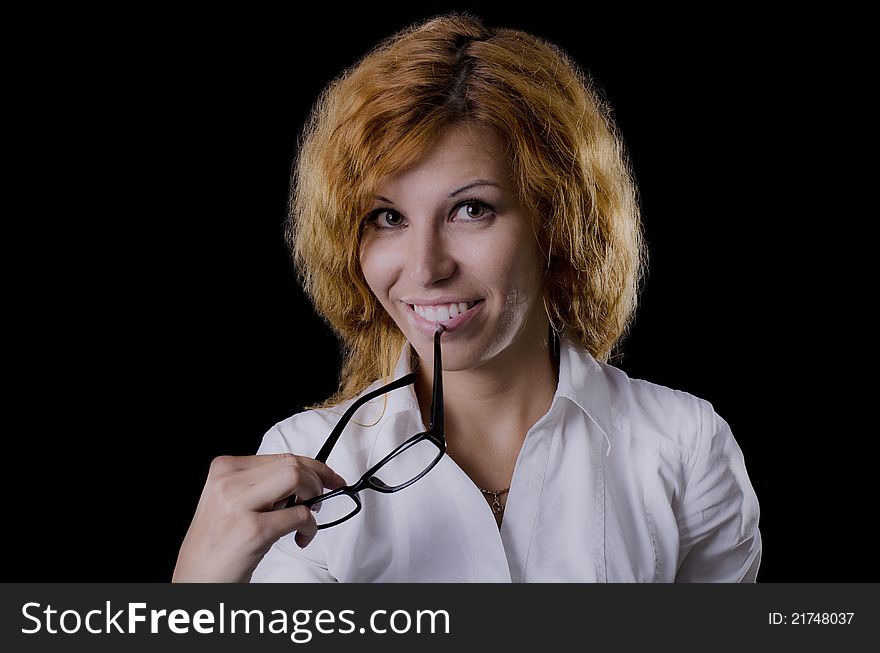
x=434 y=434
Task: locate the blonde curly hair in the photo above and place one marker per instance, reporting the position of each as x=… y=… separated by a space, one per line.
x=568 y=160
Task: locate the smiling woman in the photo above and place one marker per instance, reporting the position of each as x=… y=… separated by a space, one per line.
x=457 y=241
x=465 y=188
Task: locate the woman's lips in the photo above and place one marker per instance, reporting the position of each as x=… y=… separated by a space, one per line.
x=428 y=327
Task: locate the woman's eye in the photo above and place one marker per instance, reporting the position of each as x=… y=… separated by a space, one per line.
x=385 y=218
x=392 y=218
x=473 y=210
x=470 y=210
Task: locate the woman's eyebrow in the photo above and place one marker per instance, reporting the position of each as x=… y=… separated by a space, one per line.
x=477 y=182
x=473 y=184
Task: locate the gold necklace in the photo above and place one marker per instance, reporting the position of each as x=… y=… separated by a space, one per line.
x=497 y=506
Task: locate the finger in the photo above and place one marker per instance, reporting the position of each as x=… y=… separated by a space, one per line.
x=283 y=480
x=252 y=476
x=329 y=479
x=255 y=464
x=306 y=534
x=293 y=500
x=298 y=518
x=222 y=465
x=304 y=537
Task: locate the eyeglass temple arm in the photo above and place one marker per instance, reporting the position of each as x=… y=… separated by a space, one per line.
x=436 y=402
x=437 y=397
x=330 y=442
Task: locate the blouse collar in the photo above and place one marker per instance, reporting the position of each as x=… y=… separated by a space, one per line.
x=582 y=381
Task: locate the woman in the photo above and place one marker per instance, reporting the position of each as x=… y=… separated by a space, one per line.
x=465 y=189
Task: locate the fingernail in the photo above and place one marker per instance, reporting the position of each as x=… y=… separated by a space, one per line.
x=339 y=479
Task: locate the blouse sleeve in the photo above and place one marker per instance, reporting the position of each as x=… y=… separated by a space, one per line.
x=285 y=562
x=719 y=539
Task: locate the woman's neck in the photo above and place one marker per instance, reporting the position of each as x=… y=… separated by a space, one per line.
x=489 y=409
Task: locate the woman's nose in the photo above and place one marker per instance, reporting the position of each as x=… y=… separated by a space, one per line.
x=430 y=258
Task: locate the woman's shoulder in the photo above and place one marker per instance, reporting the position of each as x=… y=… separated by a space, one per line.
x=665 y=417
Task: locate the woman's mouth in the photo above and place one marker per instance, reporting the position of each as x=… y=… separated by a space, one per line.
x=452 y=316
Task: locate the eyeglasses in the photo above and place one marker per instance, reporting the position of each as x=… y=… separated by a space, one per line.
x=399 y=469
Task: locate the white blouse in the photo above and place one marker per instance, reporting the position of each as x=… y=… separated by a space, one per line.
x=621 y=481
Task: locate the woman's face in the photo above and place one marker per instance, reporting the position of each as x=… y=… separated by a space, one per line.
x=448 y=241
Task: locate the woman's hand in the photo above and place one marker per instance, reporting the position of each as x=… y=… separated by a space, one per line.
x=241 y=514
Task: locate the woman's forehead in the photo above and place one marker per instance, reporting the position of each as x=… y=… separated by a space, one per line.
x=460 y=155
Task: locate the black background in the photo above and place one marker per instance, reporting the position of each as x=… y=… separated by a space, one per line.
x=155 y=322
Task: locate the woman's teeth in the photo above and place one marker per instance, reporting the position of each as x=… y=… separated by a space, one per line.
x=443 y=312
